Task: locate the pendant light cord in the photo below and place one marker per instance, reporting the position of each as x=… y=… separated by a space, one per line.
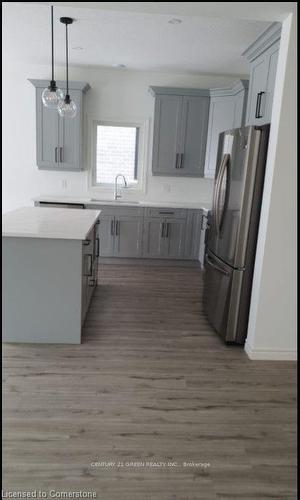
x=67 y=61
x=52 y=42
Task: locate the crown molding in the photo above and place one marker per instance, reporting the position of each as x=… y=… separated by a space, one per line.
x=263 y=42
x=83 y=86
x=155 y=91
x=235 y=88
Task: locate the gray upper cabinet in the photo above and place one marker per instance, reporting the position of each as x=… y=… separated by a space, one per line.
x=166 y=138
x=59 y=141
x=227 y=111
x=263 y=56
x=180 y=131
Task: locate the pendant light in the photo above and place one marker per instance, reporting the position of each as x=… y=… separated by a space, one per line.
x=51 y=95
x=67 y=107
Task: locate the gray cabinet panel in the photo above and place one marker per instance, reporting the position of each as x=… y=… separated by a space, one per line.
x=262 y=83
x=46 y=134
x=179 y=135
x=174 y=238
x=193 y=135
x=167 y=119
x=227 y=111
x=59 y=141
x=192 y=234
x=106 y=235
x=258 y=84
x=273 y=60
x=153 y=241
x=70 y=156
x=128 y=236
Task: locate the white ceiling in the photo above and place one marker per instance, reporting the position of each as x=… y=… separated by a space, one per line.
x=141 y=41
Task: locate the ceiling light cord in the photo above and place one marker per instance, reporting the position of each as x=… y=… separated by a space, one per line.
x=52 y=43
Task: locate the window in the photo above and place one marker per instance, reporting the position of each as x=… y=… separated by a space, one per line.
x=116 y=153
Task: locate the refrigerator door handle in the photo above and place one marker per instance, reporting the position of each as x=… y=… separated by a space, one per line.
x=214 y=266
x=216 y=197
x=225 y=166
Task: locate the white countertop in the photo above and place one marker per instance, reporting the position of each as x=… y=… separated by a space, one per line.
x=42 y=222
x=101 y=201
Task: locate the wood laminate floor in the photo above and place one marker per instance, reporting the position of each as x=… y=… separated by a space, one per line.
x=150 y=383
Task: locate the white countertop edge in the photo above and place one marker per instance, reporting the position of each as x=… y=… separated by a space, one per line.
x=141 y=204
x=76 y=224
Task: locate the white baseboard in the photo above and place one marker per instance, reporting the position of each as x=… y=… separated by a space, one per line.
x=271 y=355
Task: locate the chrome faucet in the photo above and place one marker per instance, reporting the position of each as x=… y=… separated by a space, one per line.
x=116 y=185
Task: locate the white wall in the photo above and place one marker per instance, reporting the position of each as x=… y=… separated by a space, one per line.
x=114 y=94
x=272 y=326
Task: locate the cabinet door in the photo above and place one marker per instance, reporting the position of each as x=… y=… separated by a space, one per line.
x=221 y=117
x=47 y=134
x=193 y=135
x=70 y=157
x=167 y=121
x=174 y=238
x=273 y=59
x=128 y=236
x=257 y=91
x=106 y=236
x=239 y=109
x=153 y=241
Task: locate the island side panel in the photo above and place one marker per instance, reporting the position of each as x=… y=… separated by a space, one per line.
x=42 y=286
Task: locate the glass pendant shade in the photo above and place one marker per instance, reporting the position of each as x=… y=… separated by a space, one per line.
x=51 y=97
x=66 y=107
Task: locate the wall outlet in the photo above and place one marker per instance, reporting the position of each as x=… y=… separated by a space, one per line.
x=64 y=183
x=166 y=188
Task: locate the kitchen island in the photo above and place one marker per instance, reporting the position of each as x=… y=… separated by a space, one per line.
x=49 y=261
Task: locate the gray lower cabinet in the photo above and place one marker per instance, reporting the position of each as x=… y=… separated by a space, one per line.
x=263 y=57
x=180 y=131
x=163 y=238
x=107 y=236
x=59 y=141
x=153 y=237
x=128 y=236
x=90 y=254
x=121 y=233
x=164 y=233
x=133 y=232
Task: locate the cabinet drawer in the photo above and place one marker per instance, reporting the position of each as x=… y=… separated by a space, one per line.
x=165 y=212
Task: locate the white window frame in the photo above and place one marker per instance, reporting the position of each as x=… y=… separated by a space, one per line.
x=143 y=138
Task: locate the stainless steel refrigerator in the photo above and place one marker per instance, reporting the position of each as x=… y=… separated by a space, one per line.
x=233 y=228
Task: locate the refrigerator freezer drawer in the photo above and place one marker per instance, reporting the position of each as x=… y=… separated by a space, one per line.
x=222 y=287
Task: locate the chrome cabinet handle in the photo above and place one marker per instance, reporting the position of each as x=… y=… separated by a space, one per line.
x=90 y=266
x=61 y=155
x=112 y=227
x=86 y=243
x=98 y=247
x=92 y=282
x=177 y=161
x=166 y=213
x=214 y=266
x=117 y=228
x=56 y=160
x=162 y=230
